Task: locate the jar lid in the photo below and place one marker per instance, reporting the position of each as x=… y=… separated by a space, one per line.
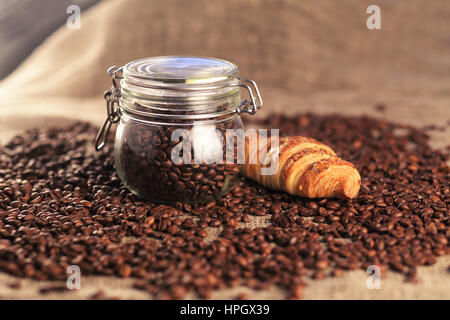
x=173 y=70
x=182 y=87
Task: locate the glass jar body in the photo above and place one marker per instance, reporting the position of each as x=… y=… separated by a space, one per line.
x=177 y=160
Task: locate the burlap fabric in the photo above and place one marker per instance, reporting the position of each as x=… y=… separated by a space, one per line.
x=306 y=56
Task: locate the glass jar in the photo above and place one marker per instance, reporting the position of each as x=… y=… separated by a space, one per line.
x=178 y=118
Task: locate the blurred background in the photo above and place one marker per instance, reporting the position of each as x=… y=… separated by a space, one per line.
x=305 y=55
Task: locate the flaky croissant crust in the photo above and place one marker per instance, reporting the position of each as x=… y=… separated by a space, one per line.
x=307 y=168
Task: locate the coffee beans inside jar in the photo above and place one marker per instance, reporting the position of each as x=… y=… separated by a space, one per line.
x=145 y=153
x=174 y=117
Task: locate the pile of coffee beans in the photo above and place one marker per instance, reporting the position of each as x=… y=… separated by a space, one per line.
x=62 y=204
x=144 y=160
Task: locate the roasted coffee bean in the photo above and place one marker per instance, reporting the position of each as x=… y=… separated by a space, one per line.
x=99 y=295
x=15 y=285
x=241 y=296
x=61 y=204
x=321 y=264
x=337 y=272
x=53 y=288
x=188 y=223
x=144 y=160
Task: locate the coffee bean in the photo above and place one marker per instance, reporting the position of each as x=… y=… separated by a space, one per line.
x=15 y=285
x=52 y=288
x=61 y=204
x=188 y=223
x=297 y=291
x=99 y=295
x=275 y=208
x=202 y=233
x=337 y=272
x=144 y=159
x=321 y=264
x=431 y=228
x=86 y=203
x=172 y=229
x=180 y=186
x=318 y=275
x=241 y=296
x=177 y=292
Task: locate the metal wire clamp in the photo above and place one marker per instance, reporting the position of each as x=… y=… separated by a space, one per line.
x=112 y=97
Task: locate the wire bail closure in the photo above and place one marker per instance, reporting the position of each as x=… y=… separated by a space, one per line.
x=254 y=105
x=112 y=97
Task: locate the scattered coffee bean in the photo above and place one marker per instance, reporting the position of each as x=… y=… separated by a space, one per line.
x=15 y=285
x=53 y=288
x=241 y=296
x=61 y=204
x=99 y=295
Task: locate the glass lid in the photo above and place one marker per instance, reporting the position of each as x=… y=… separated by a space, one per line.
x=185 y=70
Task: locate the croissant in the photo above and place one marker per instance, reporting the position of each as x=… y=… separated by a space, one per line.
x=306 y=168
